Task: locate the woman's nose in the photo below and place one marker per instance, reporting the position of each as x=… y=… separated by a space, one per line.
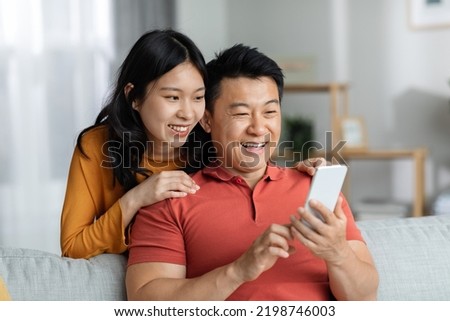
x=186 y=110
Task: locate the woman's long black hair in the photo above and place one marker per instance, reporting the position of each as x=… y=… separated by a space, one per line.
x=154 y=54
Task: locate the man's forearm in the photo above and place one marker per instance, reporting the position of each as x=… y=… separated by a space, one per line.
x=353 y=279
x=215 y=285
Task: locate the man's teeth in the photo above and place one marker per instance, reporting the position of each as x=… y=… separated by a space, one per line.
x=179 y=128
x=253 y=145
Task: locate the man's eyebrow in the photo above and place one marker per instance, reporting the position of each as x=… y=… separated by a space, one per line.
x=242 y=104
x=273 y=101
x=238 y=104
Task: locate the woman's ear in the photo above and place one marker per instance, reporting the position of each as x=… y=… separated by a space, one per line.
x=126 y=91
x=205 y=122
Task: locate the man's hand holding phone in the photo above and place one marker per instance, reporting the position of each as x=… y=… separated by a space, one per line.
x=321 y=225
x=324 y=238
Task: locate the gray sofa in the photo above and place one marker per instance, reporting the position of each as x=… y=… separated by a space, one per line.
x=412 y=256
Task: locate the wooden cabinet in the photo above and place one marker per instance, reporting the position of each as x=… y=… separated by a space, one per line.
x=418 y=156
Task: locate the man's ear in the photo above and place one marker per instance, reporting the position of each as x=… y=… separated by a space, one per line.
x=205 y=122
x=126 y=91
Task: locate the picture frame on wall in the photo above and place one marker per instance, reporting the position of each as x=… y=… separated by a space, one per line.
x=428 y=14
x=354 y=133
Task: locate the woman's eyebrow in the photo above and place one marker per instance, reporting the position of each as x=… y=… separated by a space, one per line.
x=178 y=89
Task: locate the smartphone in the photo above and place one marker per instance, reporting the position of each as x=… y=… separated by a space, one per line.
x=326 y=186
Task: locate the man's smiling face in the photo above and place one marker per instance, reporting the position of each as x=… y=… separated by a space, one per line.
x=245 y=124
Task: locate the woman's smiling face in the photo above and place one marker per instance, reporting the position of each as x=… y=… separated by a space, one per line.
x=172 y=106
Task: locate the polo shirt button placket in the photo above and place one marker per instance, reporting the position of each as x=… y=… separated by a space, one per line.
x=239 y=180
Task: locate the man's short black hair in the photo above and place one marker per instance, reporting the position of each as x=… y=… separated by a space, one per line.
x=240 y=61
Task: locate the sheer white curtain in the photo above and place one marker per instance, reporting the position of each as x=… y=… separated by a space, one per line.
x=55 y=61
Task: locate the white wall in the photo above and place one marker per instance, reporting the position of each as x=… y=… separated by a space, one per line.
x=400 y=79
x=205 y=22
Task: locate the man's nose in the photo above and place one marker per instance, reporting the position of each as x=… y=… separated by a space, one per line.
x=257 y=126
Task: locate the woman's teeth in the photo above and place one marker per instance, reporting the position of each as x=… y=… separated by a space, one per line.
x=179 y=128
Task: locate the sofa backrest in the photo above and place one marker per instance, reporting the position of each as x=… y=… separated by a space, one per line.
x=412 y=256
x=40 y=276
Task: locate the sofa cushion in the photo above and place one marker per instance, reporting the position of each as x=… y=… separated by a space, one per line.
x=38 y=275
x=412 y=256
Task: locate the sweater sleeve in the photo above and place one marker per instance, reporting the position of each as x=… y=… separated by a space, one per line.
x=4 y=294
x=91 y=219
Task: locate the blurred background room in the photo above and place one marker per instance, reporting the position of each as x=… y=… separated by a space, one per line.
x=58 y=59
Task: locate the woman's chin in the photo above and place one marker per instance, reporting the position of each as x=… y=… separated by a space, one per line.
x=177 y=143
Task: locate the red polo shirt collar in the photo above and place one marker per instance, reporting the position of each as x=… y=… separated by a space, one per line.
x=273 y=172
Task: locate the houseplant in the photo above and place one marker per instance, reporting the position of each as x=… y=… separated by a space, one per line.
x=297 y=137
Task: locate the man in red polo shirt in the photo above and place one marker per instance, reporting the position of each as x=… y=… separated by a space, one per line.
x=239 y=237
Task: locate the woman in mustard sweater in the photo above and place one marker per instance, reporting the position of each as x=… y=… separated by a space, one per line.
x=131 y=156
x=137 y=153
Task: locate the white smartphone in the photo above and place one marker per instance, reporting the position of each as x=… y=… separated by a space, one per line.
x=325 y=187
